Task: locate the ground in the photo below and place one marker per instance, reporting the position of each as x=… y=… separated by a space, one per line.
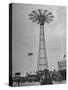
x=36 y=83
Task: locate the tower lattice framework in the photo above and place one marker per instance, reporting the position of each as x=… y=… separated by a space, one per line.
x=41 y=17
x=42 y=56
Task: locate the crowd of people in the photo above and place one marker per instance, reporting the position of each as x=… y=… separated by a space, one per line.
x=43 y=77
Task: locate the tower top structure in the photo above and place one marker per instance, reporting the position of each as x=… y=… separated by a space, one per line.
x=41 y=16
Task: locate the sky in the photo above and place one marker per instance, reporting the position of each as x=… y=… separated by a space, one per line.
x=25 y=37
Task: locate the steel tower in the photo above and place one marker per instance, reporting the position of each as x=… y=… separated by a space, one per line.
x=41 y=17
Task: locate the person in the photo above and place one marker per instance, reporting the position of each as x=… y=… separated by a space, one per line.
x=42 y=80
